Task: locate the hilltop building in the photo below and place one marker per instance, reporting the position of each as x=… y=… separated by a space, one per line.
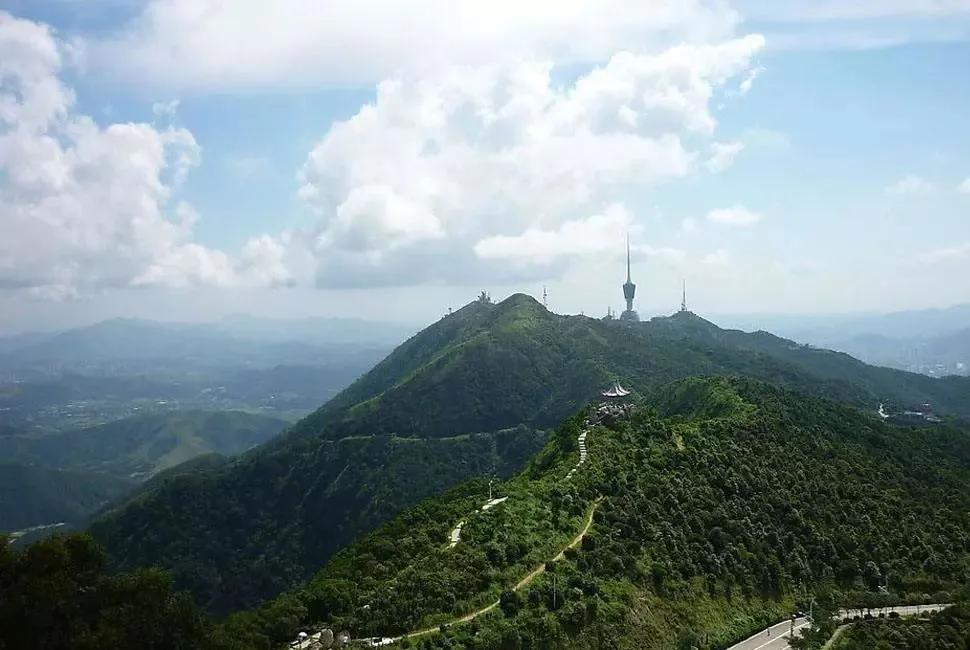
x=629 y=291
x=616 y=390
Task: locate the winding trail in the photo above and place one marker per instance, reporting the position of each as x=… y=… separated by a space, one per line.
x=524 y=582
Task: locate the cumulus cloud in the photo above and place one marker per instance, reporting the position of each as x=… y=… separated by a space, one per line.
x=85 y=207
x=737 y=215
x=447 y=175
x=911 y=185
x=722 y=155
x=498 y=155
x=964 y=187
x=589 y=237
x=245 y=43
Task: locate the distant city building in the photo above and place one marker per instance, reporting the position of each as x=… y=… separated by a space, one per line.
x=629 y=291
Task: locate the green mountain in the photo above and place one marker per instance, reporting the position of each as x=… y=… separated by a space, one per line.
x=714 y=506
x=718 y=506
x=472 y=395
x=139 y=447
x=896 y=387
x=33 y=496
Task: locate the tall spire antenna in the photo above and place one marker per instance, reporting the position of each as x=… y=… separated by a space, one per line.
x=683 y=300
x=545 y=298
x=628 y=257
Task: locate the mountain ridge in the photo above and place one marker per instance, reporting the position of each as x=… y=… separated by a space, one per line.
x=476 y=390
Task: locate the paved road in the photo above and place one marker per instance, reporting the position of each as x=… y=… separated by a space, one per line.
x=779 y=633
x=776 y=640
x=902 y=610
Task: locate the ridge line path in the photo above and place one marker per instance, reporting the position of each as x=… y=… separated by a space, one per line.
x=525 y=581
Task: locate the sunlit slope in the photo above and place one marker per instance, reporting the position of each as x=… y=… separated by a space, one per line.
x=508 y=371
x=718 y=504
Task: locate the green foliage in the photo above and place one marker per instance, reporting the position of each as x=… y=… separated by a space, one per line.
x=716 y=520
x=949 y=629
x=409 y=429
x=144 y=445
x=320 y=501
x=33 y=496
x=55 y=595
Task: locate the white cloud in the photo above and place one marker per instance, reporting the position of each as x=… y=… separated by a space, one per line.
x=165 y=109
x=722 y=155
x=215 y=44
x=964 y=187
x=85 y=207
x=719 y=258
x=590 y=237
x=436 y=164
x=748 y=82
x=737 y=215
x=944 y=255
x=911 y=185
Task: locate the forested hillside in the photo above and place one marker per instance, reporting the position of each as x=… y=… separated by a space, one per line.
x=949 y=629
x=32 y=496
x=140 y=446
x=56 y=594
x=719 y=506
x=404 y=431
x=893 y=387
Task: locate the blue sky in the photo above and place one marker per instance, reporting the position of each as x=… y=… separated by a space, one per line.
x=843 y=193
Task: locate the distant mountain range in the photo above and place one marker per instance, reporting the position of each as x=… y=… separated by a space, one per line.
x=472 y=394
x=120 y=346
x=935 y=342
x=822 y=328
x=67 y=475
x=940 y=355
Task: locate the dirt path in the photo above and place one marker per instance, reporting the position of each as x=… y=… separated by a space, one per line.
x=524 y=582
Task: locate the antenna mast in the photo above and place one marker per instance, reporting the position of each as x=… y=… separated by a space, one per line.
x=545 y=298
x=683 y=300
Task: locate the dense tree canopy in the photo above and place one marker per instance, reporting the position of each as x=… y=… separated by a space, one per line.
x=55 y=595
x=724 y=503
x=946 y=630
x=436 y=412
